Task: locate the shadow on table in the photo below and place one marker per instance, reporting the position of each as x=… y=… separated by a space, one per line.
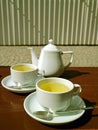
x=72 y=73
x=79 y=122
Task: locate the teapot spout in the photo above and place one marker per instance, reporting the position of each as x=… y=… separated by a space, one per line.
x=33 y=56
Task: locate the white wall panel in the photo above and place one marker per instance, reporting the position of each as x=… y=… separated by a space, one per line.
x=33 y=22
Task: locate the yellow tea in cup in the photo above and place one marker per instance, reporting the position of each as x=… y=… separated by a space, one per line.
x=54 y=87
x=23 y=68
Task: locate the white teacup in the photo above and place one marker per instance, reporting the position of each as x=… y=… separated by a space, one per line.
x=56 y=93
x=23 y=73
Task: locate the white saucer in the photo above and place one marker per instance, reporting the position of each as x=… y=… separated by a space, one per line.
x=6 y=82
x=31 y=105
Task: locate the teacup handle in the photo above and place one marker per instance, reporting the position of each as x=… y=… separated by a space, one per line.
x=71 y=59
x=79 y=89
x=41 y=73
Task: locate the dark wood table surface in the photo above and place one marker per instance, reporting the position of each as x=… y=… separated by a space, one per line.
x=14 y=117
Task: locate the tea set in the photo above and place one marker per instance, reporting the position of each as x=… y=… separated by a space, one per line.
x=26 y=78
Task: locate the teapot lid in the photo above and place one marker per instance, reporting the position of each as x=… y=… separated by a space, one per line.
x=51 y=46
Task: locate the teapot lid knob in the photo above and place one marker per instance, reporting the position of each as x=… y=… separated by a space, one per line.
x=50 y=46
x=50 y=40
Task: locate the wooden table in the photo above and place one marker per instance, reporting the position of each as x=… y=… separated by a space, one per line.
x=13 y=116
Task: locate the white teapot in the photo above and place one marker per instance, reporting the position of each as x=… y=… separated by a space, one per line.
x=50 y=61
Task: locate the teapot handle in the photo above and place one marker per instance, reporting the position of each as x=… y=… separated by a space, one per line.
x=71 y=59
